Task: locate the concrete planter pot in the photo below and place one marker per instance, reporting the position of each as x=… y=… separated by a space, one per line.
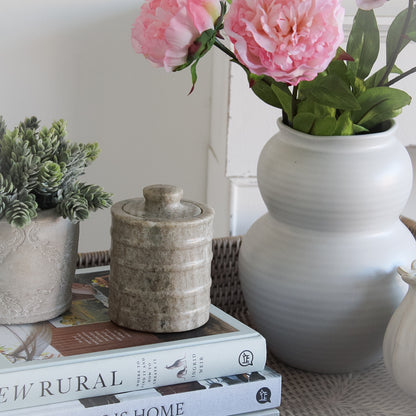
x=37 y=265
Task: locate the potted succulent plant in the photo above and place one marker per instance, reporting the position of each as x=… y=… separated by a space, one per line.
x=41 y=204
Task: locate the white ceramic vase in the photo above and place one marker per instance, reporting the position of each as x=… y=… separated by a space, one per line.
x=399 y=346
x=318 y=271
x=37 y=265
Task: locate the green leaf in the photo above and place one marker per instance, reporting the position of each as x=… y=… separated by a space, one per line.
x=330 y=91
x=304 y=122
x=199 y=48
x=320 y=111
x=375 y=79
x=3 y=127
x=379 y=104
x=324 y=126
x=339 y=68
x=344 y=125
x=412 y=36
x=359 y=129
x=363 y=43
x=311 y=124
x=394 y=39
x=194 y=75
x=261 y=86
x=285 y=97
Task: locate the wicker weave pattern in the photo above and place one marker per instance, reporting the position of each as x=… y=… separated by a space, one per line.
x=93 y=259
x=368 y=393
x=225 y=290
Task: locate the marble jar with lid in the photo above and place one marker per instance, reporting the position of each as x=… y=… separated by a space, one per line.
x=161 y=252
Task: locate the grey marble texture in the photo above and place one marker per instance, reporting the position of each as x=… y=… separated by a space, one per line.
x=161 y=252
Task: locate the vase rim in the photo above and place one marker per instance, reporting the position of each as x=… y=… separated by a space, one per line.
x=368 y=137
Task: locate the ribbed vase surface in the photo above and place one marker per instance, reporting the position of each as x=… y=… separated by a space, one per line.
x=318 y=271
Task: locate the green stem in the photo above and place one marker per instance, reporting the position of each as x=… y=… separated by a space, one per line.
x=234 y=59
x=397 y=50
x=401 y=76
x=224 y=49
x=294 y=104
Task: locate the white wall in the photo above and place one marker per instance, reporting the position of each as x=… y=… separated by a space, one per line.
x=72 y=59
x=251 y=123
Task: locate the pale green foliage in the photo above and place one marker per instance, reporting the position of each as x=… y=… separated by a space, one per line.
x=39 y=169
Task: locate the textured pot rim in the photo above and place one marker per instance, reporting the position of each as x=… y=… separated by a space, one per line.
x=42 y=215
x=337 y=143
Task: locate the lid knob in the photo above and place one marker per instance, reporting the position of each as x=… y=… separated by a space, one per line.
x=161 y=203
x=162 y=198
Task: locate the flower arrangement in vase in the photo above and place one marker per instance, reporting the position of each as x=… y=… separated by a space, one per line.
x=318 y=271
x=290 y=51
x=41 y=204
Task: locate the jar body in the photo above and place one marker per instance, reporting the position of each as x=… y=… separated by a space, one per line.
x=160 y=274
x=318 y=271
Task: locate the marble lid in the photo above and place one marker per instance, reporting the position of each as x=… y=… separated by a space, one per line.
x=162 y=202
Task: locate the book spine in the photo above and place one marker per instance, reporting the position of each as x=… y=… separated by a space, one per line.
x=66 y=379
x=224 y=400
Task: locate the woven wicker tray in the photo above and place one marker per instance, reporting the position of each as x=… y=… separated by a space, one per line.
x=368 y=393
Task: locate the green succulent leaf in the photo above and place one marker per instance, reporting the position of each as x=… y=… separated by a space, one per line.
x=95 y=196
x=39 y=169
x=91 y=152
x=50 y=178
x=73 y=207
x=21 y=211
x=6 y=185
x=30 y=124
x=2 y=127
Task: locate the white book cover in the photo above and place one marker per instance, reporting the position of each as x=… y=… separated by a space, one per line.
x=269 y=412
x=83 y=354
x=220 y=396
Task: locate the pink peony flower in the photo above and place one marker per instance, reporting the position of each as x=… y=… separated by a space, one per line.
x=166 y=29
x=288 y=40
x=369 y=4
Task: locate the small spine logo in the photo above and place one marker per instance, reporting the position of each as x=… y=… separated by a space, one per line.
x=264 y=395
x=246 y=358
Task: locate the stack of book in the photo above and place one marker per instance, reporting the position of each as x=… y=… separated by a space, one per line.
x=81 y=364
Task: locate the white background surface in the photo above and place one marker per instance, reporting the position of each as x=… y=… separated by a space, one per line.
x=72 y=59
